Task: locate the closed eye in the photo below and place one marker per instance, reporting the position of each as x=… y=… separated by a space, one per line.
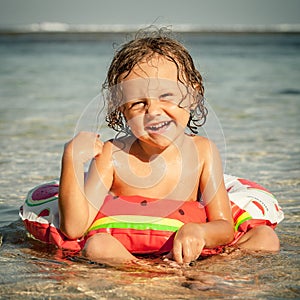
x=137 y=104
x=171 y=97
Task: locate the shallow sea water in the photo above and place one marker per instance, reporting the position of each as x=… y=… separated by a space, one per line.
x=252 y=85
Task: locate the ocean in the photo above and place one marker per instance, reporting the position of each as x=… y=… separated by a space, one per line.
x=252 y=88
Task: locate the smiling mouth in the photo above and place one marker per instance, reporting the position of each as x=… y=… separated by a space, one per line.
x=158 y=127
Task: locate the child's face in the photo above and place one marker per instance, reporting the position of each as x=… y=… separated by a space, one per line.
x=151 y=96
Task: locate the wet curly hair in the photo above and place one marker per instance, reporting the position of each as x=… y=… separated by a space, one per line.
x=146 y=44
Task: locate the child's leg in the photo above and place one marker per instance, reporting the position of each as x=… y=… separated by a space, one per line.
x=261 y=238
x=104 y=248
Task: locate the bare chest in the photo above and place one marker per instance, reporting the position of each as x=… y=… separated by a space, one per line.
x=174 y=177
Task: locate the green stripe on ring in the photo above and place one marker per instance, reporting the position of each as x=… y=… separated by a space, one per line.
x=241 y=219
x=137 y=222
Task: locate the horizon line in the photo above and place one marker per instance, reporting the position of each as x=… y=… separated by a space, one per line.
x=57 y=27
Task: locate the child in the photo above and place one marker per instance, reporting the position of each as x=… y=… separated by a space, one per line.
x=155 y=95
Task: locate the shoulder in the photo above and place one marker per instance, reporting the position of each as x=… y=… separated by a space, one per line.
x=119 y=143
x=207 y=150
x=107 y=149
x=122 y=143
x=203 y=144
x=113 y=146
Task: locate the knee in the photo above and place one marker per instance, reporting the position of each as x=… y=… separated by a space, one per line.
x=260 y=238
x=268 y=238
x=103 y=247
x=96 y=247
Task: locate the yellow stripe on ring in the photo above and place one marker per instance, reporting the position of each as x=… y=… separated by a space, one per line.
x=241 y=219
x=137 y=219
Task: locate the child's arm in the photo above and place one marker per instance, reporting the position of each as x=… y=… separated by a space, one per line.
x=193 y=237
x=77 y=203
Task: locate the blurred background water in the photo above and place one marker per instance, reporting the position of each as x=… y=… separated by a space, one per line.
x=252 y=85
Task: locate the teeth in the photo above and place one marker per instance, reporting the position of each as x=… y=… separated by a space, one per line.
x=159 y=126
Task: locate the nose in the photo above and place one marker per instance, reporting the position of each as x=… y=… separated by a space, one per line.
x=154 y=107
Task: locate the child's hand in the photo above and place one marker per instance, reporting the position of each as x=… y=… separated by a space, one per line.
x=188 y=243
x=84 y=146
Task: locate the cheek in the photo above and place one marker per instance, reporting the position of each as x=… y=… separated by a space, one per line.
x=186 y=117
x=136 y=124
x=181 y=115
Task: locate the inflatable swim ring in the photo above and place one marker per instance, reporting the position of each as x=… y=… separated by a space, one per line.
x=139 y=223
